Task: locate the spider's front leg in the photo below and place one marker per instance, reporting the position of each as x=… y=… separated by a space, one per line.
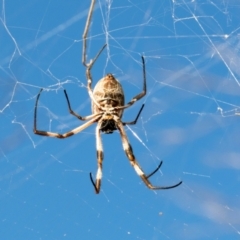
x=97 y=183
x=129 y=152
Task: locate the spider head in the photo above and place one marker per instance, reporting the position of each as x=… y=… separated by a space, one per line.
x=108 y=126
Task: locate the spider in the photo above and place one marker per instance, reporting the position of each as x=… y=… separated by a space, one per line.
x=107 y=100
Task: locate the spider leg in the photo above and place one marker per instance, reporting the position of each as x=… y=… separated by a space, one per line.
x=135 y=121
x=58 y=135
x=129 y=152
x=141 y=94
x=75 y=114
x=97 y=183
x=88 y=70
x=85 y=33
x=153 y=172
x=84 y=54
x=89 y=76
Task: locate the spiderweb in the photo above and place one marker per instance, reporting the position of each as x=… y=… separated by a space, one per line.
x=190 y=120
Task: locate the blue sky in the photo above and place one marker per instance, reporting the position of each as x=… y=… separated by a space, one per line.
x=190 y=120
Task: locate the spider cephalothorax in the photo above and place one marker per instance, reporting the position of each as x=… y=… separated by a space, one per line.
x=107 y=109
x=108 y=125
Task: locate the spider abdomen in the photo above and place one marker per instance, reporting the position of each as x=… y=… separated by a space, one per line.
x=108 y=93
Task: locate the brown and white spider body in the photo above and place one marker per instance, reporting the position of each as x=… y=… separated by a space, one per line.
x=109 y=94
x=108 y=105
